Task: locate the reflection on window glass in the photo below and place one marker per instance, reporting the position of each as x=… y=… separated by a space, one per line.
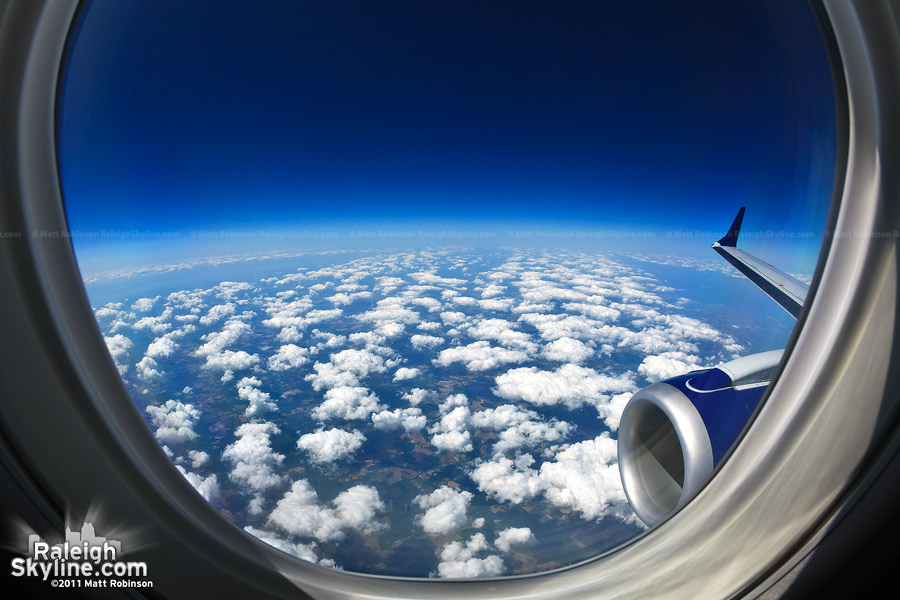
x=382 y=278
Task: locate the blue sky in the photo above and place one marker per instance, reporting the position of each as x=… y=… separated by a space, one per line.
x=184 y=116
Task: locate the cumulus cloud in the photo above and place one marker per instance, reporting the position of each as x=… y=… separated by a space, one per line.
x=328 y=446
x=229 y=360
x=158 y=324
x=288 y=356
x=458 y=560
x=458 y=551
x=174 y=421
x=502 y=332
x=305 y=552
x=570 y=385
x=357 y=508
x=520 y=428
x=507 y=480
x=147 y=369
x=208 y=487
x=162 y=346
x=480 y=356
x=144 y=304
x=390 y=310
x=347 y=402
x=667 y=364
x=253 y=458
x=451 y=432
x=118 y=346
x=258 y=401
x=519 y=536
x=214 y=348
x=198 y=458
x=217 y=313
x=583 y=477
x=346 y=368
x=445 y=510
x=409 y=419
x=404 y=373
x=567 y=350
x=300 y=513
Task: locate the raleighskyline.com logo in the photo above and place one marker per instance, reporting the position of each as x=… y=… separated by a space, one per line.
x=82 y=560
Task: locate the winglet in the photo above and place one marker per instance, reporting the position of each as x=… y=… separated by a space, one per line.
x=789 y=293
x=730 y=238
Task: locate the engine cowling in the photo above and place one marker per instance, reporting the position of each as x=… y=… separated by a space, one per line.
x=674 y=433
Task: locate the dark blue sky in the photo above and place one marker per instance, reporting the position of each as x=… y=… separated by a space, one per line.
x=177 y=115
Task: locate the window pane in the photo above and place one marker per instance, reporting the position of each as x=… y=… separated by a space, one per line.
x=382 y=278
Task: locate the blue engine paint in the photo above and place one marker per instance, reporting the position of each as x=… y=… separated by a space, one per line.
x=711 y=380
x=725 y=411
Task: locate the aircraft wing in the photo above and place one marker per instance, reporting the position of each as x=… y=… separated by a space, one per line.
x=789 y=293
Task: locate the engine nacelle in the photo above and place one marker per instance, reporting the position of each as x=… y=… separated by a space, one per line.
x=674 y=433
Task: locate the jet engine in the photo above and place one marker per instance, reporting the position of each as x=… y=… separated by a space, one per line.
x=674 y=433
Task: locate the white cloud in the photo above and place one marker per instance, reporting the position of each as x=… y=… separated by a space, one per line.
x=258 y=401
x=435 y=279
x=217 y=313
x=390 y=309
x=479 y=356
x=425 y=341
x=357 y=508
x=229 y=360
x=514 y=535
x=118 y=346
x=453 y=401
x=567 y=350
x=569 y=384
x=328 y=446
x=253 y=458
x=147 y=369
x=451 y=432
x=667 y=364
x=457 y=551
x=519 y=428
x=507 y=480
x=198 y=458
x=174 y=421
x=346 y=368
x=491 y=566
x=208 y=487
x=458 y=560
x=300 y=513
x=410 y=419
x=445 y=510
x=453 y=318
x=594 y=311
x=404 y=373
x=495 y=304
x=416 y=395
x=219 y=340
x=144 y=304
x=162 y=346
x=502 y=332
x=302 y=551
x=157 y=324
x=554 y=327
x=585 y=477
x=347 y=402
x=288 y=356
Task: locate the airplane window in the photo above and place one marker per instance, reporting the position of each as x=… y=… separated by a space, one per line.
x=428 y=290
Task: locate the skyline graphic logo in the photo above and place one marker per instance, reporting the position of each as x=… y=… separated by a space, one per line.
x=82 y=560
